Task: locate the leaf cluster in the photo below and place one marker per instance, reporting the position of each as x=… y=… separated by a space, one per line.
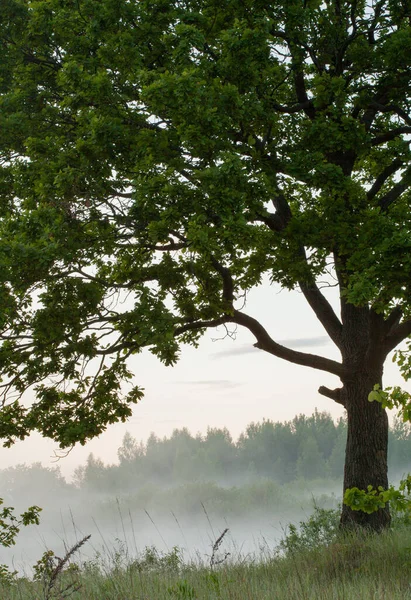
x=159 y=160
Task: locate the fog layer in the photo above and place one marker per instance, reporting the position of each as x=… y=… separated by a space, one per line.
x=185 y=490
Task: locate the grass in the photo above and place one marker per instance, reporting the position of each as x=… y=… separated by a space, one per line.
x=312 y=562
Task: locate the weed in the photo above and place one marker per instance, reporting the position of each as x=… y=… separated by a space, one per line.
x=49 y=569
x=182 y=590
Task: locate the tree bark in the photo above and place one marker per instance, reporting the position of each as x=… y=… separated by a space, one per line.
x=366 y=450
x=364 y=352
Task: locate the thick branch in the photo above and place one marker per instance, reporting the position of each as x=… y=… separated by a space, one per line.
x=266 y=343
x=390 y=135
x=301 y=106
x=393 y=108
x=382 y=177
x=301 y=91
x=30 y=58
x=273 y=222
x=323 y=311
x=228 y=283
x=321 y=307
x=282 y=208
x=397 y=335
x=396 y=191
x=393 y=319
x=280 y=219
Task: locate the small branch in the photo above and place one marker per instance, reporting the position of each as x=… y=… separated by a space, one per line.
x=379 y=6
x=168 y=247
x=332 y=394
x=194 y=325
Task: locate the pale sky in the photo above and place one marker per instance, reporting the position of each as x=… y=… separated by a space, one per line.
x=223 y=383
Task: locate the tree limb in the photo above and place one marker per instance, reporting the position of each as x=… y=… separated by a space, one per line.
x=301 y=91
x=382 y=177
x=379 y=6
x=397 y=335
x=266 y=343
x=390 y=135
x=392 y=108
x=396 y=191
x=194 y=325
x=393 y=319
x=228 y=283
x=169 y=246
x=323 y=311
x=280 y=219
x=273 y=221
x=293 y=109
x=333 y=394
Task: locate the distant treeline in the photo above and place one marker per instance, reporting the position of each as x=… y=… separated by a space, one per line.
x=304 y=448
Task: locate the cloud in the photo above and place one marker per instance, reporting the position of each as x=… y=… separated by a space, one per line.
x=309 y=342
x=321 y=340
x=240 y=349
x=220 y=383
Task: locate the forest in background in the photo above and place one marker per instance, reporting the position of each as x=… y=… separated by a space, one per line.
x=305 y=448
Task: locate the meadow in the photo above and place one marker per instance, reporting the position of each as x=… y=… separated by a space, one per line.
x=313 y=561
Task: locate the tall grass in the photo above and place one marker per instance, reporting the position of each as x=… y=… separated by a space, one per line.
x=314 y=561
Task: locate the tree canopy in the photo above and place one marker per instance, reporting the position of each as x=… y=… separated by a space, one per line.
x=159 y=159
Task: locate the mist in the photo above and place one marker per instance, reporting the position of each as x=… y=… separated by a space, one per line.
x=185 y=490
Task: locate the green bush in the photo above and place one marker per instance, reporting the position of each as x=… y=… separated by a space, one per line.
x=319 y=530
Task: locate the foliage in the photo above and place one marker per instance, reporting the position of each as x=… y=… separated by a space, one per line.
x=160 y=160
x=393 y=397
x=7 y=577
x=320 y=529
x=371 y=500
x=10 y=525
x=192 y=462
x=153 y=560
x=143 y=149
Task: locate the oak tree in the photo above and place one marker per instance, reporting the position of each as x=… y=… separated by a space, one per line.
x=160 y=158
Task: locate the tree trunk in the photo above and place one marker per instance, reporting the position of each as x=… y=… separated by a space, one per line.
x=366 y=450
